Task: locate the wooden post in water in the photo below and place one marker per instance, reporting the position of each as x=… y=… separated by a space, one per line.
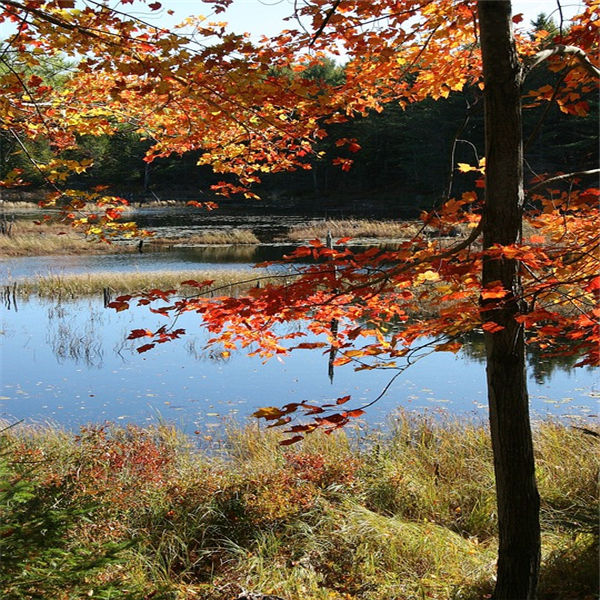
x=334 y=322
x=106 y=295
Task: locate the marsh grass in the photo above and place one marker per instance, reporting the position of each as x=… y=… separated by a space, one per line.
x=404 y=514
x=29 y=239
x=89 y=284
x=356 y=228
x=210 y=237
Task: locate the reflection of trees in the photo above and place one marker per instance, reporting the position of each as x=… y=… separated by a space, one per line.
x=70 y=339
x=541 y=366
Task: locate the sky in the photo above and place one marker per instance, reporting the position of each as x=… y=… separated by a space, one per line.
x=265 y=17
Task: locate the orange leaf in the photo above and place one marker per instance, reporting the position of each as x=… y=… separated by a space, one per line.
x=355 y=413
x=492 y=327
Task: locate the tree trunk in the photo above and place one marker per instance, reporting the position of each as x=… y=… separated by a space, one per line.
x=517 y=495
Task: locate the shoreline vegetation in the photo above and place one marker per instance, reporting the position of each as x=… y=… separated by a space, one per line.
x=126 y=512
x=230 y=281
x=28 y=239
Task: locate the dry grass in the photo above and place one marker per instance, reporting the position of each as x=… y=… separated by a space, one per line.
x=356 y=229
x=212 y=237
x=73 y=286
x=403 y=514
x=29 y=239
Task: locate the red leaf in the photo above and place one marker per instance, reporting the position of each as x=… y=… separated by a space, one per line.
x=517 y=18
x=154 y=6
x=335 y=418
x=118 y=306
x=593 y=285
x=342 y=400
x=201 y=284
x=309 y=345
x=138 y=333
x=145 y=348
x=291 y=440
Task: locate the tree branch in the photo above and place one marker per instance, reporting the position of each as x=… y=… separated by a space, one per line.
x=562 y=50
x=324 y=23
x=563 y=177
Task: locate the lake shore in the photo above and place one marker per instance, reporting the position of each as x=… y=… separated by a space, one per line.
x=26 y=238
x=147 y=513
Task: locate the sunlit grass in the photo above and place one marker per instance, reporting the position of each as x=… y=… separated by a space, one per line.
x=356 y=228
x=228 y=282
x=406 y=513
x=209 y=237
x=29 y=239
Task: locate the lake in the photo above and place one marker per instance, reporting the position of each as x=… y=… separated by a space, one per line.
x=70 y=363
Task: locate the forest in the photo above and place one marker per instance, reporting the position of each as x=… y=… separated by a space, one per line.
x=404 y=165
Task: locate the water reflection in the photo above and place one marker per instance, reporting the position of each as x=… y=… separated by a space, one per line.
x=80 y=368
x=73 y=339
x=540 y=367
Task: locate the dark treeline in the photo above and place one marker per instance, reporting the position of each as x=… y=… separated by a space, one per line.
x=405 y=163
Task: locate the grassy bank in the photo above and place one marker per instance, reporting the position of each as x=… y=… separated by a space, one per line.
x=208 y=238
x=88 y=284
x=29 y=239
x=141 y=513
x=356 y=228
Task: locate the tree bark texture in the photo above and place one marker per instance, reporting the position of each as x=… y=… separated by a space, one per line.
x=517 y=495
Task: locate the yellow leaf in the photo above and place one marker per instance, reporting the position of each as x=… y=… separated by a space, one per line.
x=268 y=412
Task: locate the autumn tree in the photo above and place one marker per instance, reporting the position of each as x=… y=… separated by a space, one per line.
x=231 y=100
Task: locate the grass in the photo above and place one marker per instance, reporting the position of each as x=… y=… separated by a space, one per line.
x=356 y=228
x=401 y=515
x=29 y=239
x=88 y=284
x=210 y=237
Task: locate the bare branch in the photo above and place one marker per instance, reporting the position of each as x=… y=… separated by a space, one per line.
x=562 y=50
x=563 y=177
x=324 y=23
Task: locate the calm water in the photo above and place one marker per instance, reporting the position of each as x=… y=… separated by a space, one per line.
x=71 y=363
x=177 y=259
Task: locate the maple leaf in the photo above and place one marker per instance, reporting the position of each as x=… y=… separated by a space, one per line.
x=145 y=348
x=293 y=440
x=269 y=413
